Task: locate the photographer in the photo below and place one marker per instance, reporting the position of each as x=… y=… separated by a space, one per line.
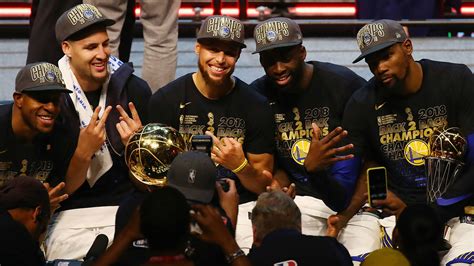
x=194 y=174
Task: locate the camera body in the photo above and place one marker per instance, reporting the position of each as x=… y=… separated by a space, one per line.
x=202 y=143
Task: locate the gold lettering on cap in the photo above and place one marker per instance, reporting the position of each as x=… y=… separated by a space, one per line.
x=279 y=28
x=369 y=34
x=224 y=27
x=46 y=73
x=82 y=13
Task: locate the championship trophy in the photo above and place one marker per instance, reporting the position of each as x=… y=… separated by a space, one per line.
x=150 y=151
x=444 y=162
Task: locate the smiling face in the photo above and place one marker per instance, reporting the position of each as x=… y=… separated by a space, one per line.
x=390 y=66
x=216 y=61
x=88 y=58
x=284 y=66
x=37 y=111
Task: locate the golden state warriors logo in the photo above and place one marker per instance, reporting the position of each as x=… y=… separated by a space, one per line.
x=50 y=76
x=299 y=150
x=415 y=152
x=224 y=32
x=271 y=36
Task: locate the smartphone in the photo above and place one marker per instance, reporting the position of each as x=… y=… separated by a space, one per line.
x=376 y=184
x=202 y=143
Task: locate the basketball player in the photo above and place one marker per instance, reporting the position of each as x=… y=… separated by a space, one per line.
x=31 y=142
x=307 y=99
x=212 y=100
x=102 y=112
x=392 y=118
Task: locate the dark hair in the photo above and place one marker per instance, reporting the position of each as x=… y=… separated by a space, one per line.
x=164 y=219
x=421 y=234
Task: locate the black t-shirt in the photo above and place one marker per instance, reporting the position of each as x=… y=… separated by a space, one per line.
x=290 y=247
x=323 y=103
x=115 y=184
x=396 y=130
x=42 y=159
x=242 y=114
x=17 y=247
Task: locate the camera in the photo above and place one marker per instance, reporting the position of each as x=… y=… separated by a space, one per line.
x=202 y=143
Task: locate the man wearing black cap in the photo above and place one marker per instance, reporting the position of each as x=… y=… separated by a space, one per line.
x=308 y=100
x=193 y=173
x=213 y=101
x=24 y=216
x=103 y=110
x=394 y=115
x=31 y=140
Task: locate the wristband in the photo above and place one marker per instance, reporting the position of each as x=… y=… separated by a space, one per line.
x=233 y=256
x=241 y=166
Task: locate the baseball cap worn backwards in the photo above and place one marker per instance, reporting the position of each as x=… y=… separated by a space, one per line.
x=275 y=33
x=379 y=35
x=222 y=28
x=194 y=174
x=78 y=18
x=40 y=77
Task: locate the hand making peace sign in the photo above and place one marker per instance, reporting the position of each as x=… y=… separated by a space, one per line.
x=128 y=126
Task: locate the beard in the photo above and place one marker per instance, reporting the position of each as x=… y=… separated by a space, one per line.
x=393 y=90
x=296 y=76
x=215 y=83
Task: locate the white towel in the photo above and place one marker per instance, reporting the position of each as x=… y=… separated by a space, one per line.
x=101 y=161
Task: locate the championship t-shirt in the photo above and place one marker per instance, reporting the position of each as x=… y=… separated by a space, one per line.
x=43 y=158
x=322 y=103
x=396 y=130
x=242 y=114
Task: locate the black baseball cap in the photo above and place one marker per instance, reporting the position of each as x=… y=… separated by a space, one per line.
x=222 y=28
x=379 y=35
x=40 y=77
x=78 y=18
x=194 y=174
x=24 y=192
x=276 y=32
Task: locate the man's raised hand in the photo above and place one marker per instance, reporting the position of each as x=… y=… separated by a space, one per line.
x=323 y=152
x=92 y=137
x=128 y=126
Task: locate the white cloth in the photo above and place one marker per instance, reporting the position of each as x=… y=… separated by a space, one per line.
x=461 y=238
x=72 y=232
x=360 y=236
x=102 y=160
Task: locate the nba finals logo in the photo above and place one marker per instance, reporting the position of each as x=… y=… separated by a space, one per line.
x=370 y=34
x=224 y=27
x=271 y=31
x=82 y=13
x=45 y=73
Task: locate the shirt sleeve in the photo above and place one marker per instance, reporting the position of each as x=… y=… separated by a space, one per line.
x=355 y=122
